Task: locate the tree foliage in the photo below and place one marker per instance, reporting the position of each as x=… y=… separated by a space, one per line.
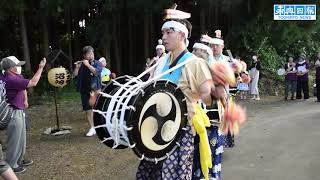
x=126 y=31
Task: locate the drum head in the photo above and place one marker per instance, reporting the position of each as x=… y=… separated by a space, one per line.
x=102 y=104
x=157 y=122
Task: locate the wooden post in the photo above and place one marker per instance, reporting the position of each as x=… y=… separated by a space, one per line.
x=55 y=102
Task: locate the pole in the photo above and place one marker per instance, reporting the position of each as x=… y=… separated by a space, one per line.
x=55 y=102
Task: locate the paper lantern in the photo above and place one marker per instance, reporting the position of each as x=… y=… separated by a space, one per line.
x=58 y=77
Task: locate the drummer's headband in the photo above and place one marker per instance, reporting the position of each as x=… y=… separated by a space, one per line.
x=170 y=15
x=176 y=26
x=204 y=47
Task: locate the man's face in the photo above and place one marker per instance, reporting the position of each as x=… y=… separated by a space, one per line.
x=171 y=39
x=196 y=50
x=290 y=60
x=104 y=63
x=217 y=49
x=300 y=59
x=89 y=56
x=159 y=52
x=255 y=58
x=15 y=69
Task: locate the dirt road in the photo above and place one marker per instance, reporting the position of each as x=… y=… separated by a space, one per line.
x=280 y=141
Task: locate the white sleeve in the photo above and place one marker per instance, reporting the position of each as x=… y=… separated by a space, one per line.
x=161 y=63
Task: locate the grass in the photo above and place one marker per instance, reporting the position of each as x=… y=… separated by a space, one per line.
x=45 y=95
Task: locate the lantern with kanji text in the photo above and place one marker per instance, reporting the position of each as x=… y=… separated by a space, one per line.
x=58 y=77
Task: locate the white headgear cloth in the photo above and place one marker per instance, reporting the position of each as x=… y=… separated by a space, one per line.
x=172 y=13
x=160 y=46
x=204 y=47
x=176 y=26
x=218 y=39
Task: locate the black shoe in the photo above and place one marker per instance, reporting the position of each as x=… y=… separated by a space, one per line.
x=19 y=169
x=26 y=162
x=285 y=98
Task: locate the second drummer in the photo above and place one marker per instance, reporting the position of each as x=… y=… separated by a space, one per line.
x=215 y=136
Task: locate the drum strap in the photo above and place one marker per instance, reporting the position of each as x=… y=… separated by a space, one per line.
x=175 y=75
x=177 y=59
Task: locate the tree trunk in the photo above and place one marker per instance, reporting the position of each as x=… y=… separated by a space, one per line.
x=69 y=32
x=76 y=45
x=75 y=36
x=146 y=34
x=153 y=39
x=106 y=52
x=202 y=20
x=26 y=55
x=216 y=17
x=116 y=39
x=248 y=7
x=230 y=17
x=45 y=37
x=131 y=44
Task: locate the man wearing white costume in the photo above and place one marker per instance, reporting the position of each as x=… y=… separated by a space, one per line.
x=217 y=48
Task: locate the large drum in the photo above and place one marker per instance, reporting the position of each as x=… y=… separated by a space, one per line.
x=5 y=113
x=149 y=117
x=5 y=109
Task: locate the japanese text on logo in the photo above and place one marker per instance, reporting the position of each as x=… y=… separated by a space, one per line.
x=294 y=12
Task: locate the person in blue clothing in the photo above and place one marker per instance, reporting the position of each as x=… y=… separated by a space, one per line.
x=88 y=74
x=105 y=73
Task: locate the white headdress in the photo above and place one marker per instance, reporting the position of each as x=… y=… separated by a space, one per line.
x=204 y=40
x=218 y=39
x=160 y=46
x=171 y=15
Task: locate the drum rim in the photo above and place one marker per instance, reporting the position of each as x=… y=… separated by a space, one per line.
x=102 y=105
x=98 y=119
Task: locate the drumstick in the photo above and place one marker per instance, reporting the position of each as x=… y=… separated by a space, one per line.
x=223 y=102
x=78 y=62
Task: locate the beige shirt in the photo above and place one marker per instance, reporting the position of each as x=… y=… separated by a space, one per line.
x=194 y=74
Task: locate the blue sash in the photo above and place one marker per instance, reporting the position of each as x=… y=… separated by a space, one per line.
x=175 y=75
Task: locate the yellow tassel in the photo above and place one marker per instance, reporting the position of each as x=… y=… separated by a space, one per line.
x=200 y=121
